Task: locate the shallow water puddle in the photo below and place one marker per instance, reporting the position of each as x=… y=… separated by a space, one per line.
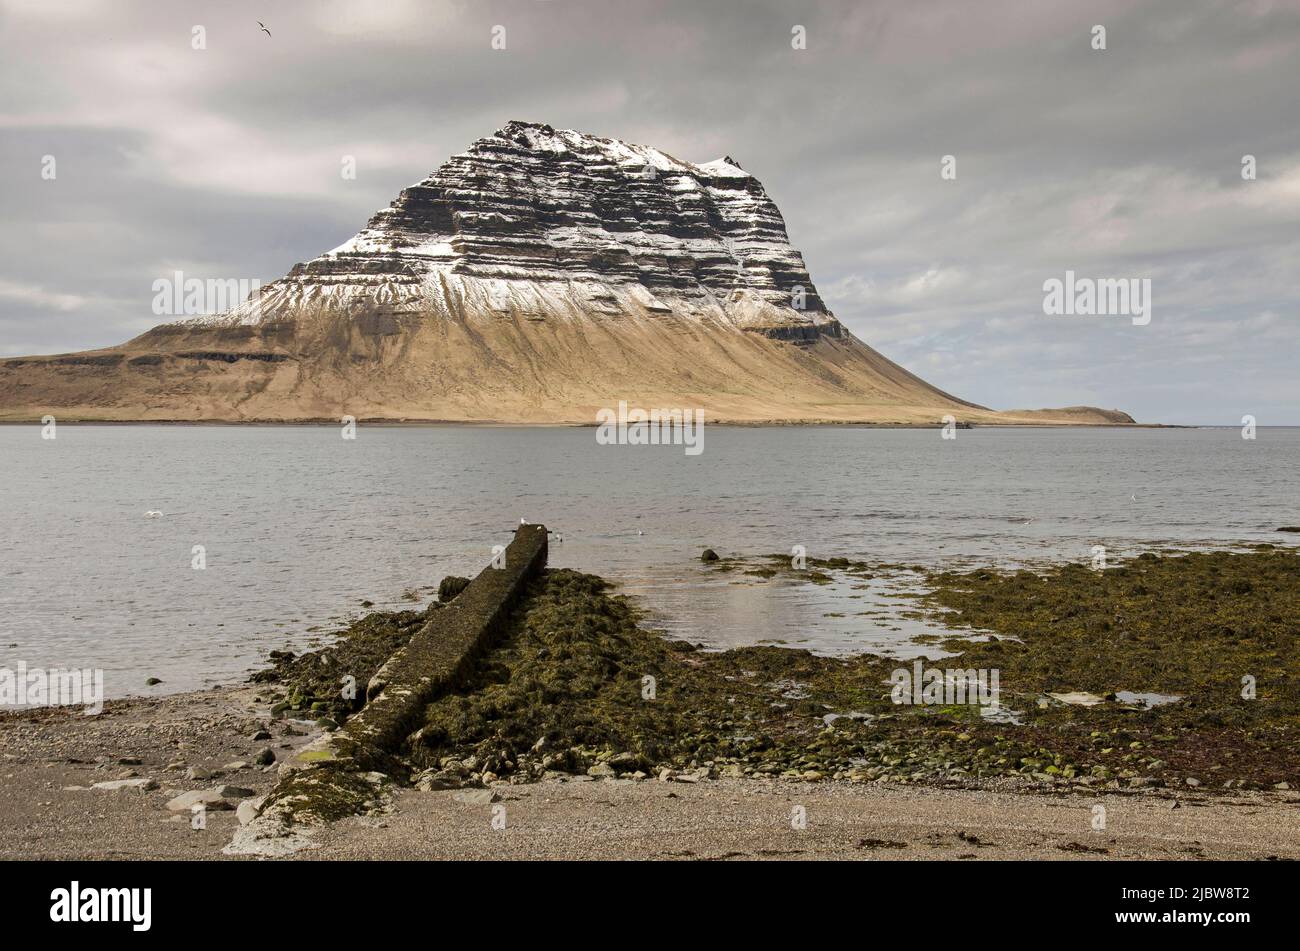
x=826 y=610
x=1146 y=699
x=1081 y=698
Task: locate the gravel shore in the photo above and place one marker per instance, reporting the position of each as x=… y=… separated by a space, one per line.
x=204 y=741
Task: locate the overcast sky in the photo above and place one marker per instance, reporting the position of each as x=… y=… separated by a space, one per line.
x=225 y=162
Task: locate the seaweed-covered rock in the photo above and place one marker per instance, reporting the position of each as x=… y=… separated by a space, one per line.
x=451 y=586
x=330 y=684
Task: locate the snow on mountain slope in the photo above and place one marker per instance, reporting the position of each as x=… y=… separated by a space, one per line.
x=549 y=220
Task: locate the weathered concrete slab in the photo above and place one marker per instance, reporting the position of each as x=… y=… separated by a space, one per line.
x=437 y=657
x=342 y=772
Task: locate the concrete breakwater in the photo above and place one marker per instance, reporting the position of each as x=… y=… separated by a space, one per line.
x=341 y=772
x=437 y=657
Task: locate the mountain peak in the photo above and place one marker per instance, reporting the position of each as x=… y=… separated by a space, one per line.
x=517 y=127
x=577 y=222
x=546 y=138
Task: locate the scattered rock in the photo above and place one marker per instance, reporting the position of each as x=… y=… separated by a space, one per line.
x=143 y=784
x=626 y=762
x=451 y=586
x=1078 y=698
x=709 y=555
x=235 y=792
x=477 y=797
x=248 y=810
x=152 y=682
x=264 y=757
x=430 y=780
x=210 y=798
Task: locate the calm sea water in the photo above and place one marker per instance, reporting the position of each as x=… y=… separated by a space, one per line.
x=300 y=526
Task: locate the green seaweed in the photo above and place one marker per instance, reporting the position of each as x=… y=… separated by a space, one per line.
x=325 y=793
x=565 y=690
x=312 y=684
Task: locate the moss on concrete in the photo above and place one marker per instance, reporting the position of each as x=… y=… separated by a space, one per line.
x=325 y=794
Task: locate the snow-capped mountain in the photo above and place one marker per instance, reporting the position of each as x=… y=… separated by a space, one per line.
x=539 y=276
x=551 y=223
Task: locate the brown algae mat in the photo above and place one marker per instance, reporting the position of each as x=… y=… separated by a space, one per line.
x=577 y=685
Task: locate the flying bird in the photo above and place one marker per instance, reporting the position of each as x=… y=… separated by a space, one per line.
x=263 y=26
